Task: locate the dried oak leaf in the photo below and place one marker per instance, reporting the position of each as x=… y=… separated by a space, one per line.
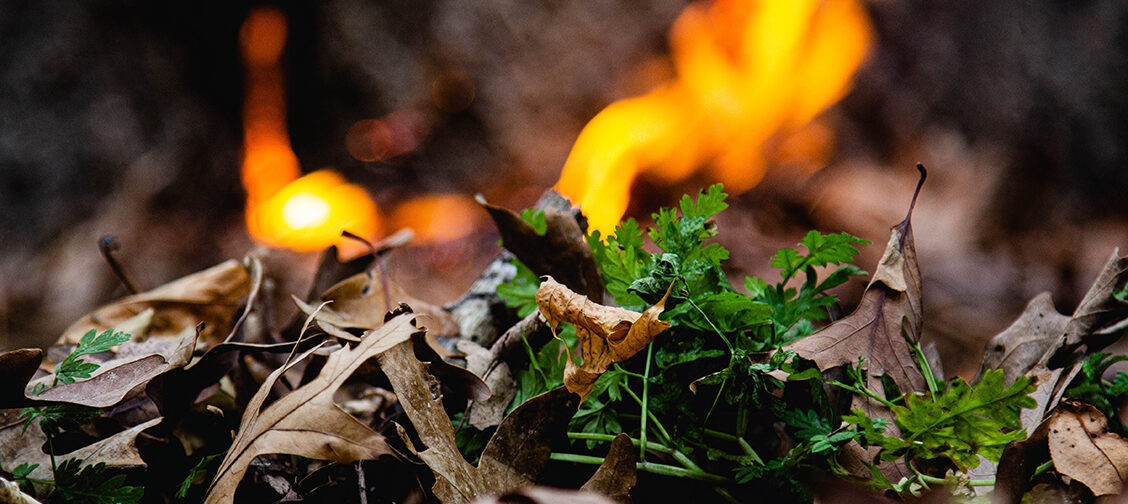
x=1083 y=449
x=362 y=300
x=1100 y=318
x=19 y=446
x=607 y=334
x=306 y=421
x=1019 y=347
x=561 y=251
x=514 y=455
x=887 y=319
x=210 y=296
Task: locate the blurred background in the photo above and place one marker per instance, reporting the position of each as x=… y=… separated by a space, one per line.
x=193 y=130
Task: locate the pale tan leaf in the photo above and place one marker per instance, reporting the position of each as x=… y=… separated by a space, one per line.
x=211 y=296
x=116 y=451
x=306 y=421
x=607 y=334
x=362 y=300
x=888 y=318
x=1083 y=449
x=617 y=474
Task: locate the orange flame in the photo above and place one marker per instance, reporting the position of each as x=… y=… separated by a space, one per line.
x=285 y=209
x=749 y=72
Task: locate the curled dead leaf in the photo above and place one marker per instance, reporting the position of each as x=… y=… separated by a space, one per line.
x=561 y=251
x=607 y=334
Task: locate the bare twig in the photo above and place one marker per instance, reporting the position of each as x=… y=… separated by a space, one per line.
x=108 y=244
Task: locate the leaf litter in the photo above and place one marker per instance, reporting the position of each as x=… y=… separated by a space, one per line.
x=170 y=387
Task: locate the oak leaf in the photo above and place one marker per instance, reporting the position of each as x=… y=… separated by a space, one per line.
x=607 y=334
x=306 y=421
x=1018 y=348
x=1100 y=319
x=210 y=296
x=887 y=320
x=515 y=454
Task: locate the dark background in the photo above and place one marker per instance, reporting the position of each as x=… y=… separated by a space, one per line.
x=123 y=117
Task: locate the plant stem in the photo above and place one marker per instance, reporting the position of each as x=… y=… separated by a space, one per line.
x=650 y=467
x=1043 y=467
x=933 y=480
x=607 y=438
x=747 y=448
x=925 y=369
x=653 y=419
x=645 y=402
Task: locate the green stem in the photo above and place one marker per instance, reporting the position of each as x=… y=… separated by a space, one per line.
x=1043 y=467
x=925 y=369
x=731 y=349
x=645 y=402
x=747 y=448
x=864 y=391
x=653 y=419
x=607 y=438
x=632 y=374
x=650 y=467
x=933 y=480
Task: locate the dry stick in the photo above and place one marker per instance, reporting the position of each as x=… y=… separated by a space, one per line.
x=360 y=482
x=108 y=244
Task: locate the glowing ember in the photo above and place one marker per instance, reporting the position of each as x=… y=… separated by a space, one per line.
x=751 y=75
x=283 y=210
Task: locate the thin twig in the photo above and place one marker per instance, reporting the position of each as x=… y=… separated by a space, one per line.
x=108 y=244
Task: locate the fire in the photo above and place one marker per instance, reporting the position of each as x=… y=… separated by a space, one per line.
x=284 y=208
x=751 y=74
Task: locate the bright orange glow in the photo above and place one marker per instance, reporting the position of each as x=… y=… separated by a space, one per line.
x=438 y=218
x=310 y=212
x=285 y=209
x=751 y=76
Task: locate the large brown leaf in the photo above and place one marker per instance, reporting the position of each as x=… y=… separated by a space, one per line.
x=607 y=334
x=210 y=296
x=307 y=422
x=1100 y=319
x=515 y=454
x=16 y=368
x=562 y=251
x=887 y=320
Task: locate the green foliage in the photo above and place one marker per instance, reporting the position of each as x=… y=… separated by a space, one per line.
x=958 y=423
x=793 y=309
x=74 y=368
x=520 y=293
x=94 y=484
x=1106 y=395
x=198 y=474
x=535 y=217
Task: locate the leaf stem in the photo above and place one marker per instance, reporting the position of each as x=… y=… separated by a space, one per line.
x=653 y=419
x=933 y=480
x=926 y=370
x=645 y=402
x=650 y=467
x=747 y=448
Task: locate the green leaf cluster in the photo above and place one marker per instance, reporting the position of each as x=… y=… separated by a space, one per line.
x=73 y=367
x=93 y=484
x=958 y=423
x=1106 y=395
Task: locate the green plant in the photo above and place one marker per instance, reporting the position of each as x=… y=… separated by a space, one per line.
x=74 y=481
x=1107 y=395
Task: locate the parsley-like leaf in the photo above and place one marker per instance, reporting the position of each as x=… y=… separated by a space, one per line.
x=93 y=484
x=73 y=368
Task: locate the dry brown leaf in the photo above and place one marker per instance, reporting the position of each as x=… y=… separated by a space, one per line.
x=1100 y=318
x=489 y=412
x=546 y=495
x=607 y=334
x=1083 y=449
x=20 y=446
x=887 y=320
x=618 y=472
x=1019 y=347
x=210 y=296
x=116 y=451
x=562 y=251
x=514 y=455
x=119 y=378
x=362 y=300
x=306 y=421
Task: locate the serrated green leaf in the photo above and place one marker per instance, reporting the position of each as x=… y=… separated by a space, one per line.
x=93 y=484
